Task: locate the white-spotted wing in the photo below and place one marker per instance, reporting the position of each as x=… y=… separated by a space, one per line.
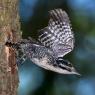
x=58 y=35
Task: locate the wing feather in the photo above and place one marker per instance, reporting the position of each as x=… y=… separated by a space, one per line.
x=58 y=34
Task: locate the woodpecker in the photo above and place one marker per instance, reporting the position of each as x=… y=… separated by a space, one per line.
x=54 y=42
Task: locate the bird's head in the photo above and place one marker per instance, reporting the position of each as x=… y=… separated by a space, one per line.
x=66 y=66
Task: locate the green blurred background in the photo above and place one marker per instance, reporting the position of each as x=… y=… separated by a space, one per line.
x=37 y=81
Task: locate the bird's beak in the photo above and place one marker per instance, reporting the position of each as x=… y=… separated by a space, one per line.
x=75 y=72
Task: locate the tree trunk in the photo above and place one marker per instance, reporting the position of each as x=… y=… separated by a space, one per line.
x=9 y=30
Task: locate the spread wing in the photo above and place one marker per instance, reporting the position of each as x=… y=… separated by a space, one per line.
x=58 y=35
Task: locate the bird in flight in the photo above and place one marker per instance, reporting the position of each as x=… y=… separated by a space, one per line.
x=54 y=42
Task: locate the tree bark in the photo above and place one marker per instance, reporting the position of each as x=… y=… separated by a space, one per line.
x=9 y=30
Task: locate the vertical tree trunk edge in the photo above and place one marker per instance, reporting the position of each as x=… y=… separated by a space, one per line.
x=9 y=30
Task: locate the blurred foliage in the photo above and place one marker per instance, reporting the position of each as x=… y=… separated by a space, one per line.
x=34 y=16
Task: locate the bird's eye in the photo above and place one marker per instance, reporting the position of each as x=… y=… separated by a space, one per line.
x=65 y=62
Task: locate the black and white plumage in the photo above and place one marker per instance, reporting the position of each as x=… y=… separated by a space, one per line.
x=58 y=35
x=55 y=41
